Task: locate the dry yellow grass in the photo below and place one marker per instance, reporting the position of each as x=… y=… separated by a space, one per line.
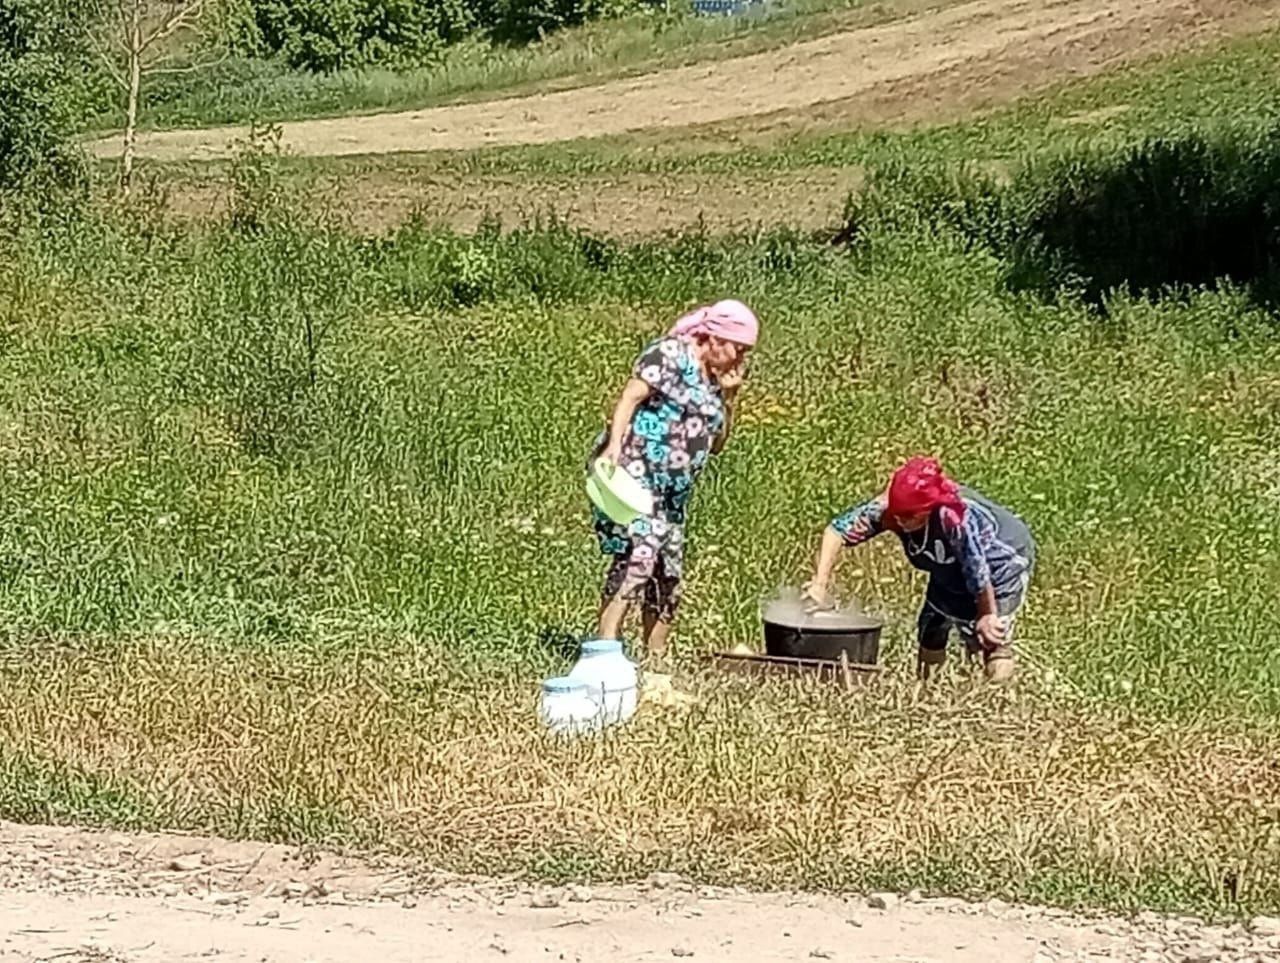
x=958 y=786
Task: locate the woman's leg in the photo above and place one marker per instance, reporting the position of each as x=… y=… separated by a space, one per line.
x=615 y=599
x=657 y=631
x=933 y=630
x=662 y=597
x=998 y=663
x=613 y=612
x=626 y=582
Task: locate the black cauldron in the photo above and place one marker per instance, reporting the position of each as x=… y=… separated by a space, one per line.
x=821 y=635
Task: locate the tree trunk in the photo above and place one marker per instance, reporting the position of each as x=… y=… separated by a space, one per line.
x=131 y=110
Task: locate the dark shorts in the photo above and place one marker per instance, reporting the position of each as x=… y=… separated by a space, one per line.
x=934 y=628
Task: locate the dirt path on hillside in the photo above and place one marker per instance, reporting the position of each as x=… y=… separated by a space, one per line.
x=939 y=48
x=78 y=896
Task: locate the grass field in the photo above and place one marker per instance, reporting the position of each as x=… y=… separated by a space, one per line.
x=294 y=524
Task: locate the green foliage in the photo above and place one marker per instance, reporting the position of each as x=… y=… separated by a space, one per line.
x=521 y=21
x=1172 y=212
x=331 y=35
x=41 y=96
x=327 y=35
x=258 y=198
x=904 y=197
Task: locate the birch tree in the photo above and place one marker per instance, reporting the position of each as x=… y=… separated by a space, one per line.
x=137 y=39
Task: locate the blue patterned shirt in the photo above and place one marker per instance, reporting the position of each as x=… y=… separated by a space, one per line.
x=991 y=547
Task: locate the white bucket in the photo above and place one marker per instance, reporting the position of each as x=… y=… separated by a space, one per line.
x=566 y=708
x=611 y=679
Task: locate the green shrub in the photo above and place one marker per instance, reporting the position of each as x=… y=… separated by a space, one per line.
x=329 y=35
x=1170 y=213
x=903 y=197
x=521 y=21
x=40 y=97
x=325 y=35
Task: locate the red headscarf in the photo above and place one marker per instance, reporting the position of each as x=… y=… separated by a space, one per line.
x=920 y=486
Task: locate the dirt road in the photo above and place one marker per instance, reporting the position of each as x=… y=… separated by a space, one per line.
x=936 y=51
x=81 y=896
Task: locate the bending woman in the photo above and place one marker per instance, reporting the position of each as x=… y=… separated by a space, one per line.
x=979 y=557
x=675 y=412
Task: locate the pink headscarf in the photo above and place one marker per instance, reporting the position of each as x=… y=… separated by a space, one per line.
x=730 y=320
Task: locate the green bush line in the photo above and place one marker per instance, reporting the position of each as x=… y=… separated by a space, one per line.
x=1173 y=212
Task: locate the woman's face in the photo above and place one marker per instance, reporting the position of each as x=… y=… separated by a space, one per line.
x=912 y=523
x=721 y=355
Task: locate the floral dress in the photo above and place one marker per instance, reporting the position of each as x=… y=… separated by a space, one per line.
x=670 y=441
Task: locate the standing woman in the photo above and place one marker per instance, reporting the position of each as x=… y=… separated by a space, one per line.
x=979 y=557
x=675 y=412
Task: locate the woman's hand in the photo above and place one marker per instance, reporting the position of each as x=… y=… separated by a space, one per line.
x=990 y=627
x=991 y=631
x=732 y=379
x=612 y=452
x=818 y=593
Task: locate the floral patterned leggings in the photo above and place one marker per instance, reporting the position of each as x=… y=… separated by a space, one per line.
x=658 y=594
x=646 y=565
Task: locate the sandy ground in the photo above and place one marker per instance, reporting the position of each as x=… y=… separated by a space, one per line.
x=630 y=206
x=79 y=896
x=938 y=49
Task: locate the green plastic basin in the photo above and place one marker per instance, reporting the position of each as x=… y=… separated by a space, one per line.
x=619 y=496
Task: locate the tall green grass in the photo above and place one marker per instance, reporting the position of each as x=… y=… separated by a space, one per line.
x=1176 y=212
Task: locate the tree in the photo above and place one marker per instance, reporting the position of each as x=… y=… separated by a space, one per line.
x=139 y=38
x=328 y=35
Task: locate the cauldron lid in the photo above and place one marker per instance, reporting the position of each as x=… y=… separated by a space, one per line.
x=789 y=611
